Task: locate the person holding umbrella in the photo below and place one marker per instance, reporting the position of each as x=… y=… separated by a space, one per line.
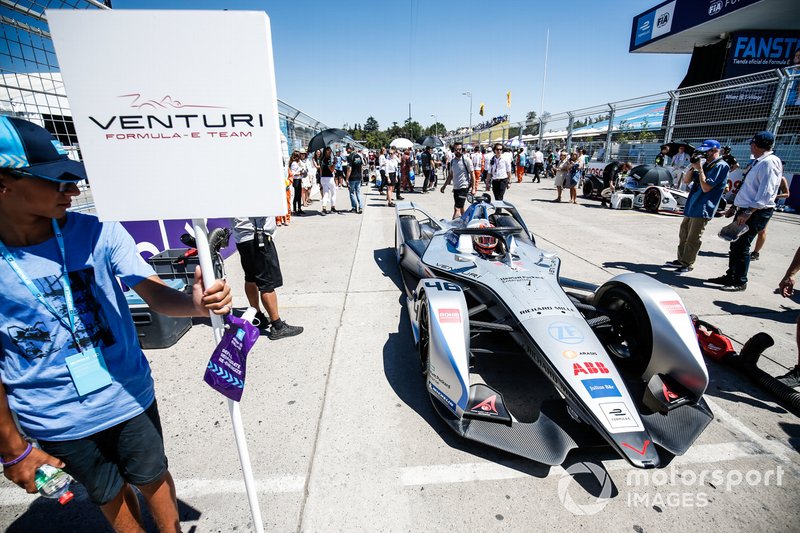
x=661 y=158
x=326 y=181
x=427 y=168
x=392 y=164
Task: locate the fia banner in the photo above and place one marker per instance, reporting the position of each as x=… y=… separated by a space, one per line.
x=176 y=111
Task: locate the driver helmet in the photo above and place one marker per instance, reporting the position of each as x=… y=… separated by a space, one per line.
x=483 y=244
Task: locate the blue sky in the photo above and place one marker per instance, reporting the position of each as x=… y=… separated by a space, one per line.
x=341 y=61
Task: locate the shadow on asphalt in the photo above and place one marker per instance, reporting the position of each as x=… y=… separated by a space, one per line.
x=386 y=259
x=793 y=431
x=664 y=274
x=708 y=253
x=785 y=315
x=81 y=515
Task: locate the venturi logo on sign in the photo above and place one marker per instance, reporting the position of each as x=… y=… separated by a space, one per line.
x=170 y=118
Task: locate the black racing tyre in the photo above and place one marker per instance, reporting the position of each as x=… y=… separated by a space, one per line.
x=652 y=200
x=424 y=335
x=631 y=344
x=588 y=186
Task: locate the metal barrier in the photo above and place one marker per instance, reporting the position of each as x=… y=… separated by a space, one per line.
x=31 y=86
x=730 y=111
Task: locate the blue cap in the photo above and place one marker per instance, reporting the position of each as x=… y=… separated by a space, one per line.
x=32 y=149
x=708 y=144
x=763 y=139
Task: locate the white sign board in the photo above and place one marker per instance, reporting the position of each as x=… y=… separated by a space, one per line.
x=176 y=111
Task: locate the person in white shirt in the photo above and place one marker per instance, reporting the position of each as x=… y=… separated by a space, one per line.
x=499 y=171
x=753 y=206
x=538 y=165
x=478 y=166
x=680 y=162
x=392 y=165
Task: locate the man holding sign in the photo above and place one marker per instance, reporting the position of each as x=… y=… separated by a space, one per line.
x=71 y=368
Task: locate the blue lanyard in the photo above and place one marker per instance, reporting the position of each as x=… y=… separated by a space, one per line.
x=38 y=294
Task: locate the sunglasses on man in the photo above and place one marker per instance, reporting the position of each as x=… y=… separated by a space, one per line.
x=60 y=186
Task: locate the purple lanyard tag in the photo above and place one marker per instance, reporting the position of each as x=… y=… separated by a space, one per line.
x=225 y=372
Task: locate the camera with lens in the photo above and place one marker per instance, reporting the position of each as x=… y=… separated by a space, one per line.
x=697 y=158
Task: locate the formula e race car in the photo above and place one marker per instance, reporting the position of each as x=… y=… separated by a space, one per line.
x=656 y=199
x=518 y=358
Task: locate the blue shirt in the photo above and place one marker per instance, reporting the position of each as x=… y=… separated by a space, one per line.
x=701 y=204
x=34 y=344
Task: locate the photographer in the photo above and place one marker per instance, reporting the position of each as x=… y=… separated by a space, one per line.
x=708 y=175
x=753 y=207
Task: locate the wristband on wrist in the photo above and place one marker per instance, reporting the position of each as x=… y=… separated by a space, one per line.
x=12 y=462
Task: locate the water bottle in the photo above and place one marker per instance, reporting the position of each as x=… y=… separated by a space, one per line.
x=52 y=482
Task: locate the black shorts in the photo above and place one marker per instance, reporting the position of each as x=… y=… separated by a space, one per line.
x=339 y=174
x=132 y=452
x=391 y=178
x=459 y=197
x=260 y=264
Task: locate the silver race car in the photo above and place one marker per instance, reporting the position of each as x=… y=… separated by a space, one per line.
x=518 y=358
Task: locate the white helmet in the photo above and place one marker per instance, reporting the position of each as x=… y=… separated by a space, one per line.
x=483 y=244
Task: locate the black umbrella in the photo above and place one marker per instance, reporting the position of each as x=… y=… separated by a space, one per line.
x=651 y=175
x=326 y=138
x=433 y=142
x=673 y=149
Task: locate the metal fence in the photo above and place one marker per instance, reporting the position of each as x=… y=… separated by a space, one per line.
x=31 y=86
x=730 y=111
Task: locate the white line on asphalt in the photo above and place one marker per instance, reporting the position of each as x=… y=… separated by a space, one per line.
x=187 y=488
x=774 y=447
x=466 y=472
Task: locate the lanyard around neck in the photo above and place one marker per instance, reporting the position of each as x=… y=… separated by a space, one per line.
x=70 y=323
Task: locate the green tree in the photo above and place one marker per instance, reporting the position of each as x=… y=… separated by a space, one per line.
x=412 y=129
x=531 y=124
x=437 y=128
x=371 y=124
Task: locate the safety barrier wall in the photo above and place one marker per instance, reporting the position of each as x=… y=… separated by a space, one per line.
x=730 y=111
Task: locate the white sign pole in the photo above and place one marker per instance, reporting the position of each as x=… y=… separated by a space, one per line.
x=207 y=268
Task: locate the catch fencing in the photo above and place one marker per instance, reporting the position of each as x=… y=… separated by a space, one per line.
x=730 y=111
x=31 y=85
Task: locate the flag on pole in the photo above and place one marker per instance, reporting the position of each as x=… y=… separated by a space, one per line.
x=481 y=111
x=508 y=99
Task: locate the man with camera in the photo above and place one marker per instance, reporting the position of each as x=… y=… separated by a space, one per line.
x=706 y=179
x=752 y=207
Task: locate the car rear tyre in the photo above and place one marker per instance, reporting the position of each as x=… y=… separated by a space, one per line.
x=587 y=188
